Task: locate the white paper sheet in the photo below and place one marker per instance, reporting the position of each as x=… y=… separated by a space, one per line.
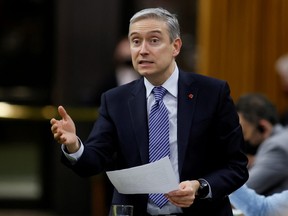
x=156 y=177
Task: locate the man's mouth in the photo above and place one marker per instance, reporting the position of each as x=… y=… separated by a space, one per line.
x=145 y=62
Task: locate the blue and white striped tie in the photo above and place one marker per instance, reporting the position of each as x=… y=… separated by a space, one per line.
x=158 y=136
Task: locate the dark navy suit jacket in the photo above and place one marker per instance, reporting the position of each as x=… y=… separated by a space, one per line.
x=210 y=140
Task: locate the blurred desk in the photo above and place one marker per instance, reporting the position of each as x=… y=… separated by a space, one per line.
x=40 y=113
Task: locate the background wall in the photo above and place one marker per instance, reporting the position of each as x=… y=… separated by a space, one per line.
x=240 y=40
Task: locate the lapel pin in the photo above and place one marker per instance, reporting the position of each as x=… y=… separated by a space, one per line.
x=190 y=96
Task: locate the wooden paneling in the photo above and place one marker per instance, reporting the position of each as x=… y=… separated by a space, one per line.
x=240 y=40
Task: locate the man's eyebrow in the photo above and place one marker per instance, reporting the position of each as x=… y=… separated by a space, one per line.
x=150 y=32
x=132 y=33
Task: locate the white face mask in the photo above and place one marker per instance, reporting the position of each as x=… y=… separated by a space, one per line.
x=125 y=74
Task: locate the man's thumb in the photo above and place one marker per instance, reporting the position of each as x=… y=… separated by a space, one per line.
x=63 y=113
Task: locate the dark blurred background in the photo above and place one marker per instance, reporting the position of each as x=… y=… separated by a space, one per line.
x=60 y=52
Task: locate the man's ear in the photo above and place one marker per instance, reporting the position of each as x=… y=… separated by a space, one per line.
x=177 y=46
x=264 y=127
x=260 y=128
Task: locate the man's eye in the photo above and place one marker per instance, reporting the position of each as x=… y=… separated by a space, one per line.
x=154 y=40
x=136 y=42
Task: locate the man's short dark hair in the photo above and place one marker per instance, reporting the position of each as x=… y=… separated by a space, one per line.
x=256 y=106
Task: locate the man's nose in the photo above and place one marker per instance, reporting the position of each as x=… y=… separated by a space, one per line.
x=144 y=49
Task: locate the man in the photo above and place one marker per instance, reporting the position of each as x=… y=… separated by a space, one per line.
x=124 y=71
x=258 y=117
x=205 y=138
x=252 y=204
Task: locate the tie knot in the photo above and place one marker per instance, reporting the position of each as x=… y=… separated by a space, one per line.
x=159 y=92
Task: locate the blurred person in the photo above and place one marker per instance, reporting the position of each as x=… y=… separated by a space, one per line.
x=124 y=71
x=203 y=126
x=250 y=151
x=258 y=117
x=250 y=203
x=281 y=66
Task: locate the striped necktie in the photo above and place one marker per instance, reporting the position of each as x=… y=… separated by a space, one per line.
x=158 y=136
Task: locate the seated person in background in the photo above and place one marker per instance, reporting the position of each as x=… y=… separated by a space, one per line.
x=258 y=117
x=250 y=151
x=252 y=204
x=124 y=71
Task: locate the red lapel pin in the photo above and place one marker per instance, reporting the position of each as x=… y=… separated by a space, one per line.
x=190 y=96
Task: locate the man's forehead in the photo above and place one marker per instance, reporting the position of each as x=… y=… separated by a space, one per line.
x=146 y=26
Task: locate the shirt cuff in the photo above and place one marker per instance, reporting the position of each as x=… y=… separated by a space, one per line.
x=74 y=157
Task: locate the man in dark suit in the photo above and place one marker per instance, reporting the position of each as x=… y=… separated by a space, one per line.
x=205 y=138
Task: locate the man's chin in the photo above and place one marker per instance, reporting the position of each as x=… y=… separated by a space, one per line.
x=145 y=72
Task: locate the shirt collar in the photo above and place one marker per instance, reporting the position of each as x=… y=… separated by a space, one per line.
x=171 y=84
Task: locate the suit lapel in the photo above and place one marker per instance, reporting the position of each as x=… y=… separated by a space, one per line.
x=138 y=116
x=187 y=97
